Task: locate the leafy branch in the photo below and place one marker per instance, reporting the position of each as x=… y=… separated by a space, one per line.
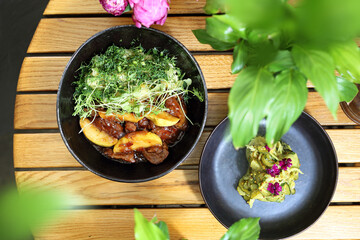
x=276 y=48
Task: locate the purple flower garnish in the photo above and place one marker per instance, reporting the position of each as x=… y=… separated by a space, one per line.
x=285 y=163
x=273 y=171
x=274 y=188
x=267 y=148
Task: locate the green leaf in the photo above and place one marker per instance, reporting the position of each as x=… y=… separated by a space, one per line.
x=239 y=57
x=164 y=228
x=146 y=230
x=29 y=210
x=289 y=99
x=247 y=102
x=222 y=31
x=347 y=89
x=127 y=9
x=318 y=66
x=282 y=61
x=203 y=37
x=244 y=229
x=234 y=23
x=214 y=6
x=347 y=60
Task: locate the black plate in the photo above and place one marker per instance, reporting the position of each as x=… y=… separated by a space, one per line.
x=83 y=151
x=221 y=167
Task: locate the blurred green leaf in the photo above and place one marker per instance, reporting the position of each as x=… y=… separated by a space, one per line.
x=347 y=89
x=164 y=228
x=321 y=22
x=147 y=230
x=203 y=37
x=222 y=31
x=257 y=13
x=21 y=213
x=347 y=60
x=318 y=66
x=288 y=101
x=261 y=54
x=234 y=23
x=214 y=6
x=244 y=229
x=282 y=61
x=239 y=57
x=247 y=102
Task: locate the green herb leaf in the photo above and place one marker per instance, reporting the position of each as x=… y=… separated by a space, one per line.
x=289 y=99
x=244 y=229
x=22 y=212
x=318 y=66
x=239 y=57
x=282 y=61
x=347 y=89
x=347 y=60
x=234 y=23
x=221 y=30
x=247 y=102
x=127 y=9
x=203 y=37
x=214 y=6
x=164 y=228
x=147 y=230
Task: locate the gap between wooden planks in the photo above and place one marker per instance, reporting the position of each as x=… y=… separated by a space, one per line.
x=36 y=154
x=177 y=187
x=72 y=32
x=190 y=223
x=38 y=111
x=94 y=7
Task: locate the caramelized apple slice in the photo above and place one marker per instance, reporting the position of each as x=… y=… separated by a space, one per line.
x=130 y=117
x=95 y=135
x=136 y=141
x=163 y=119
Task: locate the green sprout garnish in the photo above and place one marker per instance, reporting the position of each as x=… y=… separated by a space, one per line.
x=129 y=81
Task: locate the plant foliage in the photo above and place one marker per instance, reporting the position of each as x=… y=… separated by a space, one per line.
x=244 y=229
x=276 y=48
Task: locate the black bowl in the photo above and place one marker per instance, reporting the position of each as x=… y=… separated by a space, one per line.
x=79 y=146
x=221 y=168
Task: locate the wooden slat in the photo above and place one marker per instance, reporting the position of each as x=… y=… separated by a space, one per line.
x=177 y=187
x=31 y=152
x=67 y=34
x=191 y=223
x=94 y=7
x=37 y=111
x=35 y=154
x=44 y=73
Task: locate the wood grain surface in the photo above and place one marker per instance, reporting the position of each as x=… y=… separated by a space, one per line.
x=44 y=73
x=72 y=32
x=46 y=150
x=38 y=111
x=190 y=223
x=177 y=187
x=94 y=7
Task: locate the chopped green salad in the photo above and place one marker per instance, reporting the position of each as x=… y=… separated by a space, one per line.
x=272 y=172
x=131 y=80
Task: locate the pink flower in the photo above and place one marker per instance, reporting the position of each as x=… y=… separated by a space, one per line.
x=274 y=188
x=114 y=7
x=267 y=148
x=148 y=12
x=273 y=171
x=285 y=163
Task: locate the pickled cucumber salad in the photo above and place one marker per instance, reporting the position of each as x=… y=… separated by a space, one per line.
x=272 y=172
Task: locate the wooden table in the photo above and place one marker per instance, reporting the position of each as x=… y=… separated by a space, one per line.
x=106 y=209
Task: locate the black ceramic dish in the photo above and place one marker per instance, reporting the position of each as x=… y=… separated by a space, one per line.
x=221 y=168
x=69 y=127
